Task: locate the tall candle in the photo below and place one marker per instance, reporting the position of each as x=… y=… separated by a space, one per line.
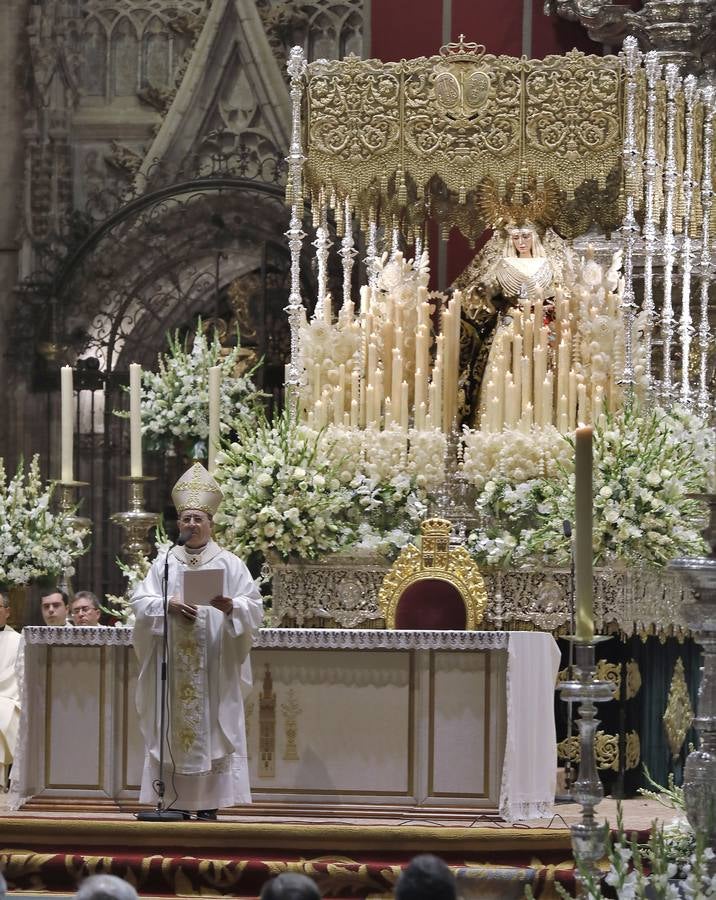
x=583 y=553
x=214 y=411
x=582 y=403
x=404 y=406
x=388 y=412
x=338 y=405
x=354 y=413
x=396 y=379
x=68 y=416
x=135 y=420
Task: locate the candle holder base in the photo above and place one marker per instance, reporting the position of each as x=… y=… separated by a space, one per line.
x=588 y=838
x=136 y=521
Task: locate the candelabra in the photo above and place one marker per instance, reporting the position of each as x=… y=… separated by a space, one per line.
x=453 y=500
x=588 y=838
x=700 y=616
x=136 y=521
x=67 y=505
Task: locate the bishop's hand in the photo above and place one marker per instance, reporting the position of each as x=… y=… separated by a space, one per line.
x=225 y=604
x=185 y=610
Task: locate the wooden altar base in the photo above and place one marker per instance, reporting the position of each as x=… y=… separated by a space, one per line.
x=349 y=852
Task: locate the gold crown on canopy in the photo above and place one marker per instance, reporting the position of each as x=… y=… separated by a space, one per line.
x=197 y=489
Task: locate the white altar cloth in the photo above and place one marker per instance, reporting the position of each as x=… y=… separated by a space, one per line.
x=527 y=761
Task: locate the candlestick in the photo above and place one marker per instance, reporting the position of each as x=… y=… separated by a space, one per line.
x=136 y=521
x=583 y=552
x=214 y=415
x=67 y=432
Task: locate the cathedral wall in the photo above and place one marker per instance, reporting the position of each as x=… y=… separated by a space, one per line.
x=13 y=49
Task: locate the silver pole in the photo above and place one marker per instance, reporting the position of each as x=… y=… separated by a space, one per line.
x=685 y=327
x=673 y=84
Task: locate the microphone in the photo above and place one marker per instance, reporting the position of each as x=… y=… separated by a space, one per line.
x=567 y=528
x=184 y=536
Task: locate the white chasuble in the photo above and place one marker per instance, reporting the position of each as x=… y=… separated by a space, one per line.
x=208 y=668
x=10 y=642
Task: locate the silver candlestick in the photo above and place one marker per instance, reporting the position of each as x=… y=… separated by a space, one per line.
x=67 y=505
x=588 y=838
x=700 y=616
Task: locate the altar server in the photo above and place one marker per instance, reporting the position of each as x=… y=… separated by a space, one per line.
x=10 y=645
x=208 y=663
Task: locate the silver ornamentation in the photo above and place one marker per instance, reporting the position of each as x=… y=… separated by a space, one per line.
x=653 y=71
x=705 y=263
x=322 y=244
x=673 y=84
x=685 y=327
x=347 y=252
x=700 y=767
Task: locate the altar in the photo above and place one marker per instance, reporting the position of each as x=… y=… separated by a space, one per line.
x=341 y=718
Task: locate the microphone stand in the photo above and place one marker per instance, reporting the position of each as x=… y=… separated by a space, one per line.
x=161 y=813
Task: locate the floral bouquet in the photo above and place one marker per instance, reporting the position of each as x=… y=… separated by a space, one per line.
x=35 y=541
x=646 y=464
x=175 y=400
x=282 y=491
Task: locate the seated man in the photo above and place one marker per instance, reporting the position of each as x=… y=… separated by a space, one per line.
x=10 y=643
x=54 y=604
x=85 y=609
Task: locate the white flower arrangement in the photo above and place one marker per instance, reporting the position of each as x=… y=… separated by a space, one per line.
x=282 y=492
x=293 y=490
x=35 y=540
x=646 y=463
x=514 y=455
x=175 y=399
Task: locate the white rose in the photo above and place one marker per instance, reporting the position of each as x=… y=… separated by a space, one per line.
x=319 y=481
x=264 y=479
x=299 y=473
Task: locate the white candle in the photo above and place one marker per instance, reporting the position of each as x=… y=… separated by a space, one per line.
x=316 y=382
x=582 y=403
x=338 y=406
x=584 y=554
x=388 y=412
x=68 y=417
x=511 y=403
x=420 y=416
x=404 y=406
x=214 y=413
x=547 y=399
x=396 y=379
x=572 y=400
x=135 y=420
x=354 y=413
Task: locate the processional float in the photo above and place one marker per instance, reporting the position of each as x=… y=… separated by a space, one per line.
x=614 y=144
x=617 y=145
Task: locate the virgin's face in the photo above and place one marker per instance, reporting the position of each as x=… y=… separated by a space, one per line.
x=522 y=241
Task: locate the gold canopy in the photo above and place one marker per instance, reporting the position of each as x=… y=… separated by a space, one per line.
x=457 y=136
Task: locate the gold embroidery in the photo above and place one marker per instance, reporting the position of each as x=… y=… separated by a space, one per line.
x=291 y=710
x=267 y=727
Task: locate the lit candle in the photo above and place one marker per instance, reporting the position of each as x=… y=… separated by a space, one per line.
x=135 y=420
x=396 y=379
x=583 y=555
x=582 y=403
x=388 y=412
x=338 y=406
x=420 y=415
x=68 y=416
x=316 y=382
x=404 y=406
x=354 y=413
x=369 y=405
x=572 y=400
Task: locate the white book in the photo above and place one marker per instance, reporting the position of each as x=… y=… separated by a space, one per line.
x=200 y=586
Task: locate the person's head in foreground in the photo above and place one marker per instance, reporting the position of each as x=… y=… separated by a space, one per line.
x=290 y=886
x=54 y=605
x=426 y=878
x=196 y=497
x=105 y=887
x=85 y=609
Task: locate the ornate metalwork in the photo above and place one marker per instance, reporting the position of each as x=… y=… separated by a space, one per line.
x=379 y=132
x=136 y=522
x=588 y=838
x=653 y=71
x=348 y=252
x=679 y=713
x=673 y=85
x=685 y=327
x=633 y=679
x=435 y=559
x=296 y=68
x=291 y=710
x=704 y=402
x=606 y=748
x=700 y=766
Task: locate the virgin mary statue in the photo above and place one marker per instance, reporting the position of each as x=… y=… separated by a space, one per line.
x=522 y=262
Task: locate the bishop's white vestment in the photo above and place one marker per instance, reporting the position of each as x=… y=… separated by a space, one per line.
x=205 y=762
x=10 y=643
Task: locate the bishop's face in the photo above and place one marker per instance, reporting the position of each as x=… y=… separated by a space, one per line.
x=197 y=524
x=522 y=241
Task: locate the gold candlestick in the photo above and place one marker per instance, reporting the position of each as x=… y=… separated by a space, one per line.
x=67 y=504
x=136 y=521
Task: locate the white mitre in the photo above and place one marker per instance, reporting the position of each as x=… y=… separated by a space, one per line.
x=197 y=489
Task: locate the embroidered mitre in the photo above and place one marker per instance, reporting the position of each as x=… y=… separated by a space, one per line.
x=197 y=489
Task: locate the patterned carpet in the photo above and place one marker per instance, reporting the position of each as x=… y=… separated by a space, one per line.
x=50 y=853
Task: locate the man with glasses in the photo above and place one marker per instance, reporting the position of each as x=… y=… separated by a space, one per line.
x=85 y=609
x=208 y=664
